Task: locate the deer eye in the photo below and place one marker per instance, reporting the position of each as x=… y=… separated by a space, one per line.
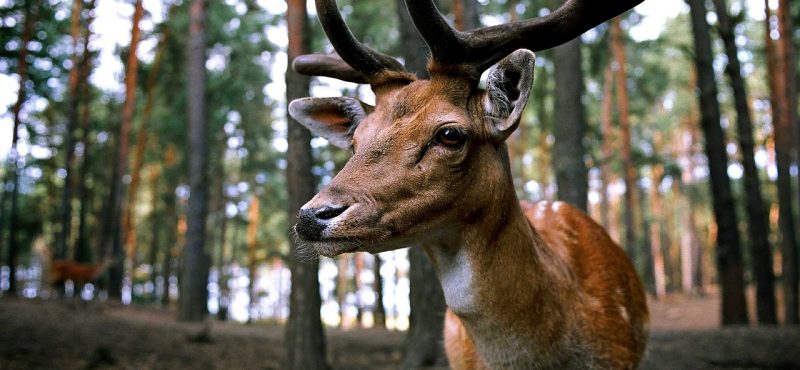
x=450 y=137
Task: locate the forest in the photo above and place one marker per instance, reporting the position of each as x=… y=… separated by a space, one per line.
x=151 y=178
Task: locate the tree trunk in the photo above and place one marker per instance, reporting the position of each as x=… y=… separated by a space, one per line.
x=729 y=258
x=760 y=249
x=117 y=269
x=691 y=251
x=194 y=274
x=169 y=239
x=607 y=149
x=252 y=229
x=156 y=220
x=358 y=264
x=423 y=342
x=129 y=222
x=341 y=287
x=305 y=339
x=13 y=155
x=466 y=14
x=784 y=150
x=64 y=237
x=379 y=311
x=657 y=209
x=82 y=248
x=629 y=171
x=790 y=253
x=568 y=150
x=223 y=255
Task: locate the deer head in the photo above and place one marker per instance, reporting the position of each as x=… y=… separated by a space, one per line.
x=429 y=159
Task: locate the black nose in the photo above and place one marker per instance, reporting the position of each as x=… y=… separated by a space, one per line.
x=312 y=222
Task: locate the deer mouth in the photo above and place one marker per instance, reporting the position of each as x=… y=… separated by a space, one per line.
x=333 y=230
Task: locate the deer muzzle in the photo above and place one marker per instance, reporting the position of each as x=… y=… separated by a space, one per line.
x=313 y=222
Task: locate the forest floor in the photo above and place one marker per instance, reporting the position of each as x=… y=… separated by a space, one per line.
x=70 y=334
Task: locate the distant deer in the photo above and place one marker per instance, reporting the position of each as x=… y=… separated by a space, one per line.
x=79 y=273
x=528 y=286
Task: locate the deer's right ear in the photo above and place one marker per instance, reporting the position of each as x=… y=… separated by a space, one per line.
x=334 y=119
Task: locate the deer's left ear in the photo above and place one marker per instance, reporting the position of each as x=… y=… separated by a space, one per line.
x=334 y=119
x=507 y=89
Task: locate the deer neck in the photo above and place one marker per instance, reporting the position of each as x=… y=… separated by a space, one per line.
x=506 y=285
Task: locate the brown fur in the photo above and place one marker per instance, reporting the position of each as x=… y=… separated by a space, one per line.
x=78 y=273
x=537 y=286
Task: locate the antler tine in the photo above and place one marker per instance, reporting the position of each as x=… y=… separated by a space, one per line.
x=362 y=60
x=328 y=65
x=477 y=50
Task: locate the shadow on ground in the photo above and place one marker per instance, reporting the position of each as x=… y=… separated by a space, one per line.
x=36 y=334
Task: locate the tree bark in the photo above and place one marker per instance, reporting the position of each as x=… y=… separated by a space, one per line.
x=689 y=240
x=423 y=342
x=82 y=249
x=379 y=311
x=252 y=229
x=117 y=269
x=170 y=238
x=760 y=249
x=196 y=261
x=790 y=253
x=466 y=14
x=729 y=258
x=341 y=286
x=568 y=151
x=13 y=155
x=128 y=221
x=629 y=171
x=607 y=150
x=64 y=237
x=157 y=221
x=305 y=339
x=784 y=150
x=657 y=209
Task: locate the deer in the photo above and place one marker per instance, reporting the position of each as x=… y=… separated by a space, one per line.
x=527 y=285
x=77 y=272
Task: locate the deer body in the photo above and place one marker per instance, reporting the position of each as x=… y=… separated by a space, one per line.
x=545 y=299
x=78 y=273
x=531 y=286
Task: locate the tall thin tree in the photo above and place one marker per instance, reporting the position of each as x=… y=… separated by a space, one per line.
x=628 y=169
x=568 y=149
x=29 y=14
x=82 y=253
x=790 y=252
x=305 y=339
x=195 y=259
x=112 y=230
x=757 y=226
x=64 y=237
x=142 y=137
x=729 y=257
x=607 y=148
x=784 y=150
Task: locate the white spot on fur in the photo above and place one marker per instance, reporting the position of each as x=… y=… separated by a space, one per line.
x=624 y=313
x=456 y=275
x=556 y=206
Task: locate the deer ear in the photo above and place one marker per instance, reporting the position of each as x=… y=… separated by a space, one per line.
x=507 y=89
x=334 y=119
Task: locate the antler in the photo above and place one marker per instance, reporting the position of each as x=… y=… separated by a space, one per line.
x=355 y=61
x=478 y=49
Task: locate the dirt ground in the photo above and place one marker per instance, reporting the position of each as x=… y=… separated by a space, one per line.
x=54 y=334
